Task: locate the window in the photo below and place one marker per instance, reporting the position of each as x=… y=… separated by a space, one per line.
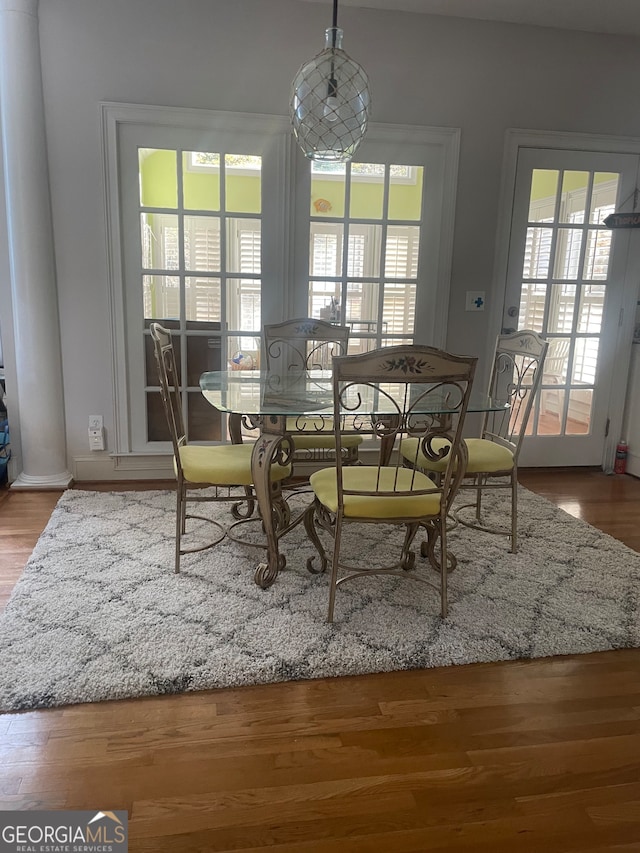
x=214 y=240
x=364 y=246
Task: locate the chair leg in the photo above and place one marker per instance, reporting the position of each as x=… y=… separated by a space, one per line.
x=180 y=522
x=408 y=557
x=250 y=501
x=312 y=534
x=514 y=510
x=479 y=484
x=183 y=513
x=334 y=567
x=444 y=570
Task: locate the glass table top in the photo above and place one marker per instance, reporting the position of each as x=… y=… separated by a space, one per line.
x=255 y=392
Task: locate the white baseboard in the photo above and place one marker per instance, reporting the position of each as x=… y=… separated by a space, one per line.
x=633 y=464
x=105 y=467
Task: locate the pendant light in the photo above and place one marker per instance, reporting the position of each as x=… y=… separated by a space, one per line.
x=330 y=102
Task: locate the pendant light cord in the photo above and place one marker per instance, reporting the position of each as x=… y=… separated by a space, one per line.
x=335 y=20
x=332 y=86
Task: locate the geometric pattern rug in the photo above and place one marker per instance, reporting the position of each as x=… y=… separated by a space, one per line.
x=98 y=613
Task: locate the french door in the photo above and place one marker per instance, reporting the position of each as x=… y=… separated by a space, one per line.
x=218 y=225
x=203 y=226
x=571 y=279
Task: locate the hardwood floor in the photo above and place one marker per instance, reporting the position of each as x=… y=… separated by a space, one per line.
x=518 y=757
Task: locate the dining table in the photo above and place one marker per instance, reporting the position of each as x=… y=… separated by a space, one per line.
x=281 y=405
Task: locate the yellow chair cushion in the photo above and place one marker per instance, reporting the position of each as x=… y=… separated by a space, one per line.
x=223 y=465
x=364 y=477
x=485 y=457
x=323 y=438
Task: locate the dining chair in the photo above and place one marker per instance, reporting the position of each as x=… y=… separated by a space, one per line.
x=389 y=394
x=492 y=463
x=224 y=471
x=300 y=346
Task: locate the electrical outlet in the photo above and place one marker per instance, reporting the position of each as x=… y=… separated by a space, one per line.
x=96 y=439
x=95 y=422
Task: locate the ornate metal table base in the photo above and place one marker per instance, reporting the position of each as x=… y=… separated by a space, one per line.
x=272 y=447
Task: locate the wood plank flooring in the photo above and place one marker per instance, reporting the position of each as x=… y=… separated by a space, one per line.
x=535 y=756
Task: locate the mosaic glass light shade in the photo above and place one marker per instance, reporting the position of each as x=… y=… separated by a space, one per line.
x=330 y=103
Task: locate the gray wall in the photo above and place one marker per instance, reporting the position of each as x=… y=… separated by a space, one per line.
x=241 y=55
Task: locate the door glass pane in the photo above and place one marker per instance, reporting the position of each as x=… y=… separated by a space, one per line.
x=205 y=422
x=201 y=180
x=367 y=190
x=556 y=364
x=561 y=308
x=405 y=192
x=603 y=200
x=244 y=245
x=544 y=188
x=203 y=353
x=362 y=307
x=358 y=345
x=568 y=245
x=159 y=241
x=537 y=253
x=579 y=412
x=320 y=295
x=243 y=304
x=202 y=243
x=532 y=299
x=585 y=359
x=399 y=307
x=575 y=186
x=157 y=427
x=202 y=299
x=243 y=184
x=243 y=352
x=328 y=182
x=401 y=254
x=596 y=259
x=396 y=342
x=158 y=177
x=161 y=297
x=591 y=307
x=365 y=247
x=325 y=249
x=550 y=412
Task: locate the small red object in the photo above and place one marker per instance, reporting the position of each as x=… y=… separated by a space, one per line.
x=620 y=465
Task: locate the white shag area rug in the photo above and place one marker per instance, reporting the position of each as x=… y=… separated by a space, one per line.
x=99 y=613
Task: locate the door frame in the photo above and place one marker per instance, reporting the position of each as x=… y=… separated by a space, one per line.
x=514 y=140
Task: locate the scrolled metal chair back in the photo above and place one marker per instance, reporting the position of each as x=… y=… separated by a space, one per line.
x=399 y=392
x=516 y=375
x=302 y=345
x=169 y=385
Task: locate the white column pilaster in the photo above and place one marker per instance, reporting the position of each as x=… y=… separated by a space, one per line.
x=31 y=254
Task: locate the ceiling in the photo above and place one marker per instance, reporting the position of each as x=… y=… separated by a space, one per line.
x=600 y=16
